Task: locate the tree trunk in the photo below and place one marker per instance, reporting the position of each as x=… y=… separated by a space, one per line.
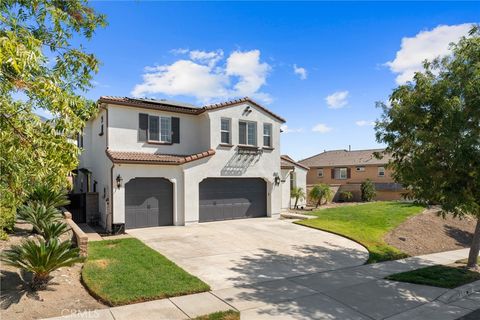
x=475 y=248
x=296 y=202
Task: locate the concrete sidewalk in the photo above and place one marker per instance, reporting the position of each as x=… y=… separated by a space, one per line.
x=350 y=293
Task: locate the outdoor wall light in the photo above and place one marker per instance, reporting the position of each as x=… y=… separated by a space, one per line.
x=277 y=178
x=119 y=181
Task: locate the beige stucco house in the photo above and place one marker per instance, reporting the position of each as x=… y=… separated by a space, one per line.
x=157 y=162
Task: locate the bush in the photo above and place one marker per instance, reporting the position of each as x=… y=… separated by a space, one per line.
x=53 y=230
x=346 y=196
x=7 y=221
x=41 y=258
x=49 y=197
x=368 y=190
x=38 y=214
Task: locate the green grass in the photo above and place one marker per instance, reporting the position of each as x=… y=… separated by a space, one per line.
x=221 y=315
x=438 y=276
x=126 y=271
x=367 y=224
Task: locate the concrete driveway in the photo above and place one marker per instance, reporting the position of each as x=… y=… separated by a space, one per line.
x=242 y=252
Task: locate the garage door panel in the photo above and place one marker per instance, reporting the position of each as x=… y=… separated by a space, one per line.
x=148 y=203
x=230 y=198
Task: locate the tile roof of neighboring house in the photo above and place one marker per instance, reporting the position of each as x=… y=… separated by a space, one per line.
x=172 y=106
x=288 y=163
x=346 y=158
x=154 y=158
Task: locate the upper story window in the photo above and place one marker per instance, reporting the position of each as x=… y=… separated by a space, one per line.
x=340 y=173
x=267 y=135
x=381 y=171
x=80 y=139
x=101 y=126
x=247 y=133
x=225 y=131
x=158 y=129
x=361 y=169
x=320 y=172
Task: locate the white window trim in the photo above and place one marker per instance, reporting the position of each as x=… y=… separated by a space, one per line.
x=265 y=135
x=229 y=130
x=320 y=173
x=246 y=133
x=340 y=176
x=159 y=129
x=381 y=171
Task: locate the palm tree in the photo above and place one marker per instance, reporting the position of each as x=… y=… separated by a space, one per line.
x=37 y=214
x=320 y=192
x=41 y=258
x=298 y=194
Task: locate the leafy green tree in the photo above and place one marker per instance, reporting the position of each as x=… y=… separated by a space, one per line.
x=432 y=130
x=298 y=194
x=368 y=190
x=319 y=193
x=41 y=68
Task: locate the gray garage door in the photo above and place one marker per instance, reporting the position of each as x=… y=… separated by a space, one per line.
x=148 y=203
x=229 y=198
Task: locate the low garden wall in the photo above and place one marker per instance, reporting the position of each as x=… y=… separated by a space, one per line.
x=80 y=238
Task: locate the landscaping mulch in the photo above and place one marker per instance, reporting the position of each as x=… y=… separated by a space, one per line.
x=429 y=233
x=64 y=295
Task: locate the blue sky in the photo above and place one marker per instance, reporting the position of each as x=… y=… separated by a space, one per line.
x=288 y=56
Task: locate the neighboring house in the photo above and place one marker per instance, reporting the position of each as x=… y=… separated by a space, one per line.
x=157 y=162
x=345 y=170
x=293 y=175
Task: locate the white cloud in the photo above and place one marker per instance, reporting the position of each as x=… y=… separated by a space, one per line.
x=301 y=72
x=206 y=57
x=425 y=45
x=205 y=78
x=337 y=99
x=286 y=129
x=179 y=51
x=322 y=128
x=363 y=123
x=251 y=72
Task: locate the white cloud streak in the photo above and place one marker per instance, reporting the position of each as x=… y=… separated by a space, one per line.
x=425 y=45
x=286 y=129
x=363 y=123
x=337 y=100
x=322 y=128
x=202 y=76
x=301 y=72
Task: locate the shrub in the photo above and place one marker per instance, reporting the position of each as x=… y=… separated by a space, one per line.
x=7 y=221
x=320 y=192
x=53 y=230
x=49 y=197
x=368 y=190
x=41 y=258
x=38 y=214
x=346 y=196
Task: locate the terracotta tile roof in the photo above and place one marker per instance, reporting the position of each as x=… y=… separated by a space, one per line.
x=179 y=107
x=288 y=163
x=154 y=158
x=346 y=158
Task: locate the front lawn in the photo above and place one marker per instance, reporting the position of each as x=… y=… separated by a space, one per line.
x=221 y=315
x=438 y=276
x=126 y=271
x=367 y=224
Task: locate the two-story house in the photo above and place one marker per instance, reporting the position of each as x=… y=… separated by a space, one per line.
x=157 y=162
x=345 y=170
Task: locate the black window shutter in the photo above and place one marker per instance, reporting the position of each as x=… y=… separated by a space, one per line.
x=175 y=130
x=349 y=173
x=333 y=173
x=142 y=126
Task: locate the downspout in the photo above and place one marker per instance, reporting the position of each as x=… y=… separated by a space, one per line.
x=109 y=215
